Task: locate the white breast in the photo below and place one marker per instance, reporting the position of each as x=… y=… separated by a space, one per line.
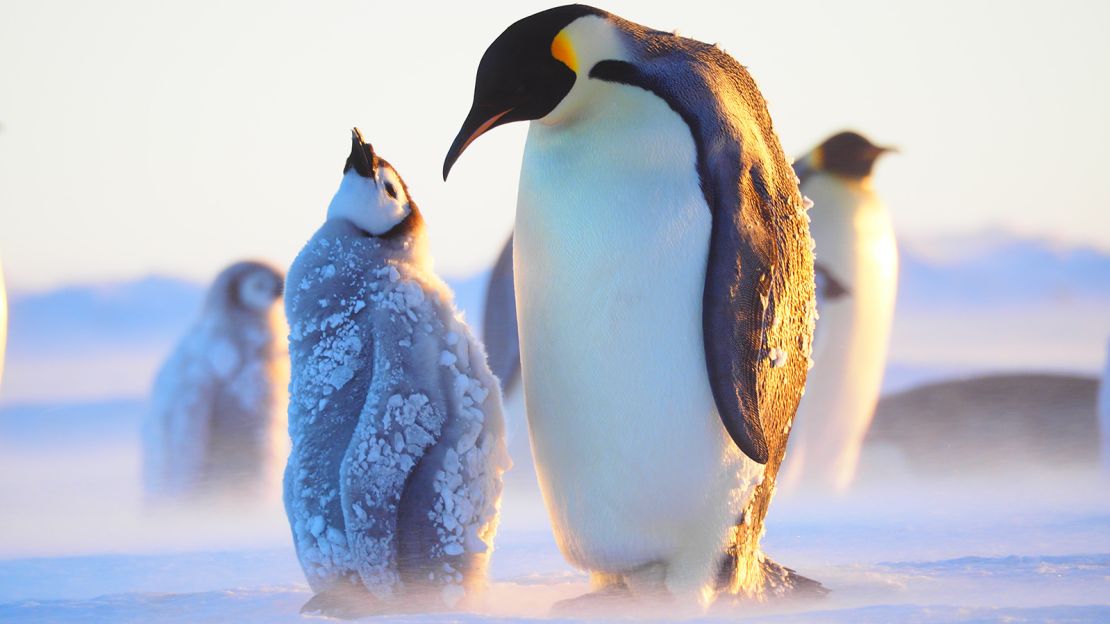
x=855 y=241
x=611 y=243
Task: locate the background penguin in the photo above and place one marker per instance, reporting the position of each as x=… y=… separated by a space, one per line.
x=394 y=479
x=217 y=419
x=499 y=333
x=664 y=289
x=857 y=279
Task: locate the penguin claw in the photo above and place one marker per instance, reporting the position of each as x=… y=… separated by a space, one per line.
x=343 y=604
x=782 y=581
x=611 y=600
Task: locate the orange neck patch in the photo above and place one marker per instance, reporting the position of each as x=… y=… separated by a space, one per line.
x=817 y=159
x=563 y=51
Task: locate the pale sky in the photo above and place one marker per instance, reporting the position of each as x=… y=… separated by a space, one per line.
x=175 y=137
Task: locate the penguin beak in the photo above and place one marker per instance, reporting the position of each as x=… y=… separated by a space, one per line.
x=362 y=155
x=481 y=119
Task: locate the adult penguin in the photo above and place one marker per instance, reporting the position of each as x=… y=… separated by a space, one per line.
x=664 y=283
x=857 y=281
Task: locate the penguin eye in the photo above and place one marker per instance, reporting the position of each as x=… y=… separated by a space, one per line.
x=389 y=189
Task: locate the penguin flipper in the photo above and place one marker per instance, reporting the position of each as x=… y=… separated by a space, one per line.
x=828 y=287
x=759 y=254
x=499 y=324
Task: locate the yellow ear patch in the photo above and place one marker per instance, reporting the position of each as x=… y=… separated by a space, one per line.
x=817 y=159
x=563 y=51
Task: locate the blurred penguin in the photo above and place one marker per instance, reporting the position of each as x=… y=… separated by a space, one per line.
x=856 y=271
x=394 y=480
x=216 y=427
x=499 y=333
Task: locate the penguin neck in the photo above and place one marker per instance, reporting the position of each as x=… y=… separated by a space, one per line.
x=361 y=201
x=594 y=39
x=856 y=185
x=626 y=133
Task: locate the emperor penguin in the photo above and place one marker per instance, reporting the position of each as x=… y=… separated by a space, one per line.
x=216 y=425
x=394 y=480
x=664 y=294
x=499 y=333
x=857 y=280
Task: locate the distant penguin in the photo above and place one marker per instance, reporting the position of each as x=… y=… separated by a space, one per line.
x=856 y=266
x=394 y=480
x=664 y=294
x=1104 y=415
x=216 y=427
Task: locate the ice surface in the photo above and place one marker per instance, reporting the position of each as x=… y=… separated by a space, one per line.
x=76 y=544
x=907 y=551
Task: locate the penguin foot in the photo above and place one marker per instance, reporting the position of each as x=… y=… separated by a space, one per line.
x=781 y=581
x=341 y=603
x=612 y=600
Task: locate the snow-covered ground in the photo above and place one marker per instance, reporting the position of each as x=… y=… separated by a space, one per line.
x=78 y=546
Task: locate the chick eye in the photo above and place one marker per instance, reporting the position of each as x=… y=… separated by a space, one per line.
x=389 y=189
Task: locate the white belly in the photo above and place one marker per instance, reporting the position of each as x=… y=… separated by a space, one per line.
x=855 y=240
x=610 y=251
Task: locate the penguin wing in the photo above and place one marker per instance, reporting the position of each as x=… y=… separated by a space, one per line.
x=828 y=287
x=758 y=293
x=499 y=326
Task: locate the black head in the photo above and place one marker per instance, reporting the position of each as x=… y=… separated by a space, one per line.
x=362 y=158
x=523 y=75
x=849 y=154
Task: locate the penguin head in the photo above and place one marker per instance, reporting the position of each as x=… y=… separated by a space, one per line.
x=248 y=286
x=531 y=68
x=372 y=196
x=847 y=154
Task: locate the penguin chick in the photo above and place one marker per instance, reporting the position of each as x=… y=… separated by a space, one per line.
x=394 y=479
x=216 y=423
